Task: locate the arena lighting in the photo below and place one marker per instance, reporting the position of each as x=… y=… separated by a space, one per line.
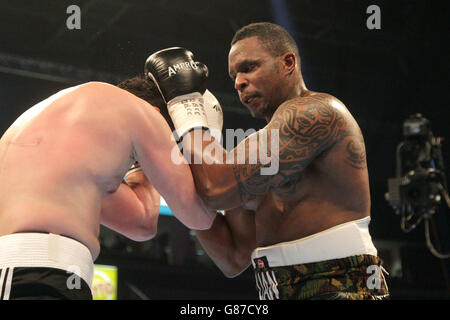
x=282 y=15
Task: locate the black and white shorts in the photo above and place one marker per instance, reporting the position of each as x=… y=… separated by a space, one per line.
x=44 y=266
x=18 y=283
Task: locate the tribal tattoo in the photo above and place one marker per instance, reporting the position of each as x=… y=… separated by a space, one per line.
x=356 y=152
x=307 y=127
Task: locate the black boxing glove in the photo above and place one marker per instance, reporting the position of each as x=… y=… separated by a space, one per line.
x=182 y=82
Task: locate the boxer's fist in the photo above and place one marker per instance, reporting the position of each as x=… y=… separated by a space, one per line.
x=181 y=81
x=176 y=72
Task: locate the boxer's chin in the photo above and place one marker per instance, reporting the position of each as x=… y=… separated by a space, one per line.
x=256 y=109
x=259 y=112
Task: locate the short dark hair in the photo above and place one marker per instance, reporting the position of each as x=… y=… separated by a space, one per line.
x=147 y=90
x=144 y=89
x=273 y=37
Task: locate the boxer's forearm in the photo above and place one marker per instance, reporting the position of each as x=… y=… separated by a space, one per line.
x=213 y=177
x=220 y=247
x=133 y=209
x=230 y=241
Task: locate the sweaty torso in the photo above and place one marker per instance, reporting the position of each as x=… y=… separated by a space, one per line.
x=332 y=189
x=59 y=159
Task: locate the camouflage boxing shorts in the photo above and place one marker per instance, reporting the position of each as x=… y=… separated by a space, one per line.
x=352 y=278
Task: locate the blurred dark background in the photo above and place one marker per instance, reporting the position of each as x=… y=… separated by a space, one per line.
x=382 y=75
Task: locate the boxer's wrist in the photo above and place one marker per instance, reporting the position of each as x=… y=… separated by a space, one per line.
x=187 y=113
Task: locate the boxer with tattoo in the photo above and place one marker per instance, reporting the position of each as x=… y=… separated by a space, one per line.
x=304 y=227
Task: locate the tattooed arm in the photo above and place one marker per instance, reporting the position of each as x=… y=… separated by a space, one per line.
x=300 y=130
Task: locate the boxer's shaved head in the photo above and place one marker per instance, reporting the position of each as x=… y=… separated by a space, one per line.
x=274 y=38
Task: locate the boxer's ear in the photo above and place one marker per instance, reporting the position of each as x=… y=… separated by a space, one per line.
x=288 y=62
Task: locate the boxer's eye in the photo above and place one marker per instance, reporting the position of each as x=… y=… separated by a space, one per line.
x=248 y=67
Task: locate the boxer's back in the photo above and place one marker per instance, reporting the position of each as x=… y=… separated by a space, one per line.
x=60 y=158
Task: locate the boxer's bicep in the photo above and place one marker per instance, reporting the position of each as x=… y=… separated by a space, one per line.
x=298 y=132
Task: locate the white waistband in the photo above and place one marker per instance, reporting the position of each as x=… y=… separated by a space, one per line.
x=46 y=250
x=344 y=240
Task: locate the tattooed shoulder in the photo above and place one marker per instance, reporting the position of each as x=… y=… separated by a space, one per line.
x=307 y=126
x=325 y=114
x=355 y=152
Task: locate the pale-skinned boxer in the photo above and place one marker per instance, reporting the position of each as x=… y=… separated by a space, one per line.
x=62 y=164
x=304 y=228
